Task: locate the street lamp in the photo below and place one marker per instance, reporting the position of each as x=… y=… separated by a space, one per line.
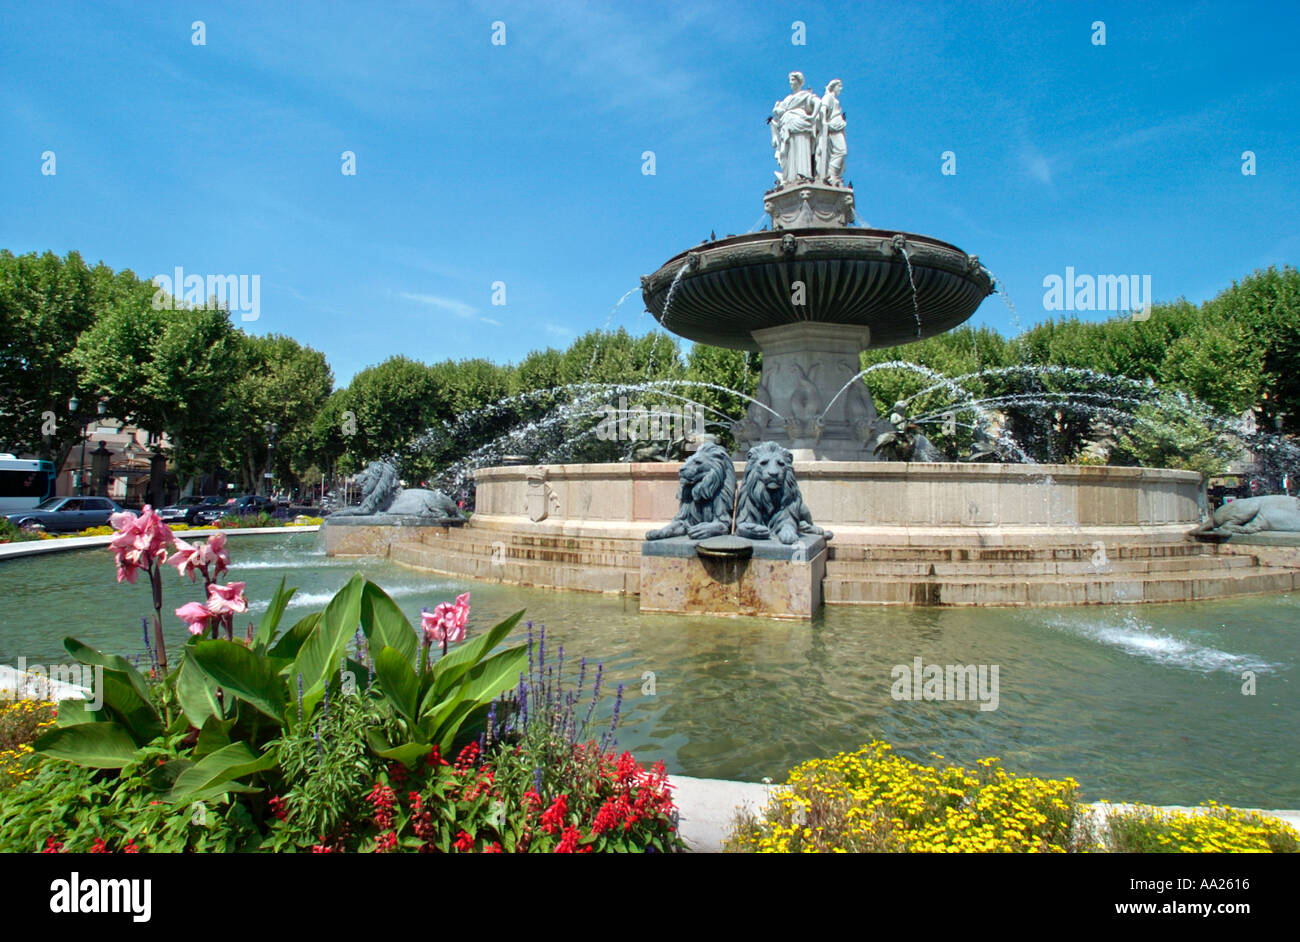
x=271 y=429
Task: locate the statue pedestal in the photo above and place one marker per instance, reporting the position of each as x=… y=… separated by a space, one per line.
x=804 y=366
x=810 y=206
x=777 y=581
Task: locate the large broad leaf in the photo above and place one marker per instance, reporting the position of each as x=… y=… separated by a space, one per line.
x=448 y=671
x=446 y=733
x=127 y=707
x=238 y=671
x=398 y=683
x=196 y=692
x=76 y=712
x=383 y=623
x=291 y=641
x=88 y=655
x=271 y=620
x=497 y=674
x=320 y=654
x=215 y=773
x=98 y=745
x=214 y=735
x=406 y=753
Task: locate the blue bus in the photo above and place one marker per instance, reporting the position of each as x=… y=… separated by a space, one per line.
x=24 y=482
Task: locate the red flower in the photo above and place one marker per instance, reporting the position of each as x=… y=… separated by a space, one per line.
x=130 y=848
x=383 y=799
x=553 y=817
x=52 y=846
x=99 y=847
x=321 y=849
x=435 y=757
x=493 y=848
x=386 y=843
x=568 y=841
x=464 y=842
x=276 y=805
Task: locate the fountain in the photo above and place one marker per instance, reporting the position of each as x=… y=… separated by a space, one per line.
x=811 y=293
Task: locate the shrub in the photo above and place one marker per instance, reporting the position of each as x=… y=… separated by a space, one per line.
x=1217 y=830
x=12 y=533
x=21 y=721
x=872 y=800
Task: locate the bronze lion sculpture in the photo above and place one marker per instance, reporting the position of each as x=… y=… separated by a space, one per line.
x=706 y=491
x=382 y=493
x=771 y=506
x=1276 y=512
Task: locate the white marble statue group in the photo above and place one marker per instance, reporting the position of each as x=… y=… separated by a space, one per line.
x=808 y=134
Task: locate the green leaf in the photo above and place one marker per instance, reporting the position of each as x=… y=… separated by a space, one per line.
x=76 y=712
x=97 y=745
x=320 y=654
x=383 y=623
x=215 y=773
x=449 y=669
x=88 y=655
x=497 y=674
x=137 y=714
x=240 y=672
x=271 y=620
x=197 y=694
x=292 y=641
x=407 y=753
x=398 y=683
x=214 y=735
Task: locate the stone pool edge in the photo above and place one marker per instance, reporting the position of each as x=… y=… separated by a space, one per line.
x=61 y=544
x=707 y=805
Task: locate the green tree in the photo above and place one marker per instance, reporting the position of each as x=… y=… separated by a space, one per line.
x=285 y=384
x=45 y=304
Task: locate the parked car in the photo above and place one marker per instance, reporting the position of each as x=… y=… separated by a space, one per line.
x=236 y=507
x=186 y=509
x=67 y=514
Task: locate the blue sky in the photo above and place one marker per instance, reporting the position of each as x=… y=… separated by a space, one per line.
x=521 y=163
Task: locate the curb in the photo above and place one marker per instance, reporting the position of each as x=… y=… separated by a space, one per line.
x=61 y=544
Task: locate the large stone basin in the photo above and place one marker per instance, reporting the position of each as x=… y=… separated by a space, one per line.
x=851 y=277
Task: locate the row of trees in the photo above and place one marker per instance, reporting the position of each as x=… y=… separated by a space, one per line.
x=70 y=331
x=1147 y=390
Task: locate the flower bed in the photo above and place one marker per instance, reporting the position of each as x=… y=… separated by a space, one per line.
x=327 y=735
x=874 y=800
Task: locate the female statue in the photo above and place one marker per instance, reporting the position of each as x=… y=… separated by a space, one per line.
x=793 y=125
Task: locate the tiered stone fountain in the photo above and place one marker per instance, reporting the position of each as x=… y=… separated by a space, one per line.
x=811 y=293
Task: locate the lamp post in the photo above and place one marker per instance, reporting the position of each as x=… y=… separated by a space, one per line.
x=271 y=429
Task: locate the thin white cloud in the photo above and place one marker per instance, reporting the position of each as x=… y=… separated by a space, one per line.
x=1036 y=164
x=450 y=305
x=558 y=330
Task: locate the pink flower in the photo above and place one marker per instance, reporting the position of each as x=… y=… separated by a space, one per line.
x=185 y=559
x=196 y=617
x=432 y=622
x=214 y=551
x=447 y=621
x=227 y=599
x=140 y=542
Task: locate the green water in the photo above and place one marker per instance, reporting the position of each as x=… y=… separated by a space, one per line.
x=1138 y=703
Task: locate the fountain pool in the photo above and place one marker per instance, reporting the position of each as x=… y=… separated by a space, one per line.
x=1137 y=702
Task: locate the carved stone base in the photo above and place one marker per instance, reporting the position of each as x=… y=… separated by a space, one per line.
x=778 y=581
x=804 y=366
x=810 y=206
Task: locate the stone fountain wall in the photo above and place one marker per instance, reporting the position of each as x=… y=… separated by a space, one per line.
x=866 y=502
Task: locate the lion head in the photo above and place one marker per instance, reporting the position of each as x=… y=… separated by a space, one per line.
x=379 y=487
x=706 y=491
